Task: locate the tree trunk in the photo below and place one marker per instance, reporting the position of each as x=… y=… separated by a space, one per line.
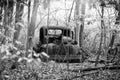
x=77 y=28
x=113 y=67
x=83 y=6
x=102 y=36
x=19 y=12
x=1 y=23
x=1 y=11
x=31 y=27
x=79 y=22
x=8 y=11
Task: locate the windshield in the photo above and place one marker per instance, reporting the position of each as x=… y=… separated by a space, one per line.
x=54 y=32
x=58 y=32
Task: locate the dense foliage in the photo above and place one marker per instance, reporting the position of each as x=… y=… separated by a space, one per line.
x=17 y=37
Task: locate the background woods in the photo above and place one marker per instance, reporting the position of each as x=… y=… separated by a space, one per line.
x=95 y=23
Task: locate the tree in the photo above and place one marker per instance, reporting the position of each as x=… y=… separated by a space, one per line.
x=7 y=8
x=77 y=28
x=79 y=21
x=83 y=6
x=18 y=16
x=117 y=7
x=31 y=25
x=102 y=30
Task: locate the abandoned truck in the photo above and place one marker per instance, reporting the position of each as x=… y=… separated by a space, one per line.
x=59 y=43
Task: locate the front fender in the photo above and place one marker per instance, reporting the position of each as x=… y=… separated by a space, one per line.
x=73 y=49
x=51 y=47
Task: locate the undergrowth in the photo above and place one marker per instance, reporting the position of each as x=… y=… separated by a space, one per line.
x=14 y=65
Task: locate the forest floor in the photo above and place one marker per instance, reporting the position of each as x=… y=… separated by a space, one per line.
x=56 y=71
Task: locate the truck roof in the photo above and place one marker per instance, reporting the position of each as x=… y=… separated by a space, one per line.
x=56 y=27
